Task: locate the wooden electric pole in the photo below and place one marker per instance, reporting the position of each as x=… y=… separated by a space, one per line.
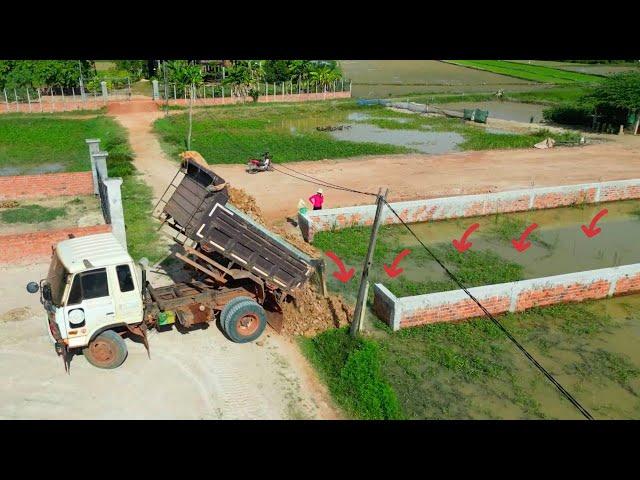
x=358 y=314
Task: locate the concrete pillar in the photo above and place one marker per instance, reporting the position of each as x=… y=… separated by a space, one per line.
x=105 y=94
x=94 y=147
x=100 y=160
x=156 y=91
x=116 y=212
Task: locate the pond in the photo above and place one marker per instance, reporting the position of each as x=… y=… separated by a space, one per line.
x=558 y=246
x=32 y=169
x=519 y=112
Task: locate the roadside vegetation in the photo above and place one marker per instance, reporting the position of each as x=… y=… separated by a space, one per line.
x=536 y=73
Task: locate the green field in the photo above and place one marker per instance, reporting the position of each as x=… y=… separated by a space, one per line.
x=547 y=96
x=232 y=134
x=31 y=143
x=536 y=73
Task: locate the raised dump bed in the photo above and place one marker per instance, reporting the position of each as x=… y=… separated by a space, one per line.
x=199 y=209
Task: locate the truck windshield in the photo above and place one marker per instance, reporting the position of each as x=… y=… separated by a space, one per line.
x=57 y=278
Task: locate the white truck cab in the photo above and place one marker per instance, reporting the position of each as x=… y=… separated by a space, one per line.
x=92 y=288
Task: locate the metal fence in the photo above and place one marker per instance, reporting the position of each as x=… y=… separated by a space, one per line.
x=265 y=89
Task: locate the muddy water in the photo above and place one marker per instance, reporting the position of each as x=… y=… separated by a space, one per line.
x=560 y=245
x=384 y=78
x=426 y=142
x=32 y=169
x=519 y=112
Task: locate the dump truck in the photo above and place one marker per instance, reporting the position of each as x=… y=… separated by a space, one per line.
x=95 y=295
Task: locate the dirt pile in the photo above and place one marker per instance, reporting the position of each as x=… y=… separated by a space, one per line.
x=309 y=313
x=248 y=205
x=8 y=204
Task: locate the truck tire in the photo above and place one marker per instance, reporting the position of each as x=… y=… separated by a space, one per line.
x=107 y=350
x=245 y=321
x=229 y=306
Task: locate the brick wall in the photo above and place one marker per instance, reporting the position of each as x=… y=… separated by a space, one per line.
x=505 y=297
x=45 y=185
x=24 y=248
x=470 y=205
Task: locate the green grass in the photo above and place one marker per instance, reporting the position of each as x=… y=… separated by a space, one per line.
x=507 y=228
x=536 y=73
x=471 y=370
x=28 y=143
x=31 y=214
x=351 y=369
x=143 y=239
x=231 y=134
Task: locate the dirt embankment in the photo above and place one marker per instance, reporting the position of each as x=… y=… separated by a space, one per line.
x=309 y=313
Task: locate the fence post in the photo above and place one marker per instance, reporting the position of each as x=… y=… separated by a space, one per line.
x=15 y=94
x=350 y=84
x=29 y=100
x=316 y=88
x=40 y=101
x=64 y=105
x=129 y=88
x=105 y=93
x=6 y=100
x=73 y=92
x=53 y=103
x=283 y=89
x=341 y=85
x=94 y=148
x=95 y=99
x=223 y=92
x=100 y=161
x=156 y=92
x=116 y=212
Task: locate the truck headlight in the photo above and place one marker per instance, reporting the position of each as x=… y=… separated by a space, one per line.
x=76 y=318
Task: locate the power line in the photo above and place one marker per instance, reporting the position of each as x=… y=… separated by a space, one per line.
x=319 y=182
x=531 y=358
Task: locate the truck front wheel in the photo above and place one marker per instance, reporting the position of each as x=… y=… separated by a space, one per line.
x=107 y=350
x=245 y=321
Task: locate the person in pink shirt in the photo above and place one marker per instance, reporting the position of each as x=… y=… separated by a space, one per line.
x=317 y=200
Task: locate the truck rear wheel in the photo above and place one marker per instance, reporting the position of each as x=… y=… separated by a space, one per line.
x=107 y=350
x=230 y=304
x=245 y=321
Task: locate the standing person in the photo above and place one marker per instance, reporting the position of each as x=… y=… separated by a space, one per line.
x=317 y=200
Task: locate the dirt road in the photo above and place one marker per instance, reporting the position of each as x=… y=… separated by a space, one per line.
x=416 y=176
x=199 y=375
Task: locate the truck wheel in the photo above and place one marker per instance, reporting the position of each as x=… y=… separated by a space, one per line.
x=230 y=304
x=245 y=321
x=107 y=350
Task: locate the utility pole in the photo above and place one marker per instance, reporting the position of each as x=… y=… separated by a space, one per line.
x=166 y=94
x=358 y=314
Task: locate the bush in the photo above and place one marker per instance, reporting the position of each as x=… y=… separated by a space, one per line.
x=569 y=114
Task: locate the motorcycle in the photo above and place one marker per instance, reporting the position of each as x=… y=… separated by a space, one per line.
x=255 y=166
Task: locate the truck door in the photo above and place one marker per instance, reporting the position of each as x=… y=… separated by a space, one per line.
x=89 y=304
x=127 y=297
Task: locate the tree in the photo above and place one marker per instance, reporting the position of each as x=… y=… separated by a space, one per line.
x=324 y=76
x=189 y=76
x=42 y=73
x=619 y=92
x=137 y=68
x=243 y=77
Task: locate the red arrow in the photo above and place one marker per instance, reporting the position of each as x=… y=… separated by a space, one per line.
x=343 y=275
x=521 y=244
x=462 y=244
x=592 y=230
x=393 y=271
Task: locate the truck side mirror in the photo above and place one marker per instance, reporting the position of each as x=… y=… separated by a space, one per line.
x=33 y=287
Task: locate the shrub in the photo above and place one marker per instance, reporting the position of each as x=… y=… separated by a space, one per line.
x=569 y=114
